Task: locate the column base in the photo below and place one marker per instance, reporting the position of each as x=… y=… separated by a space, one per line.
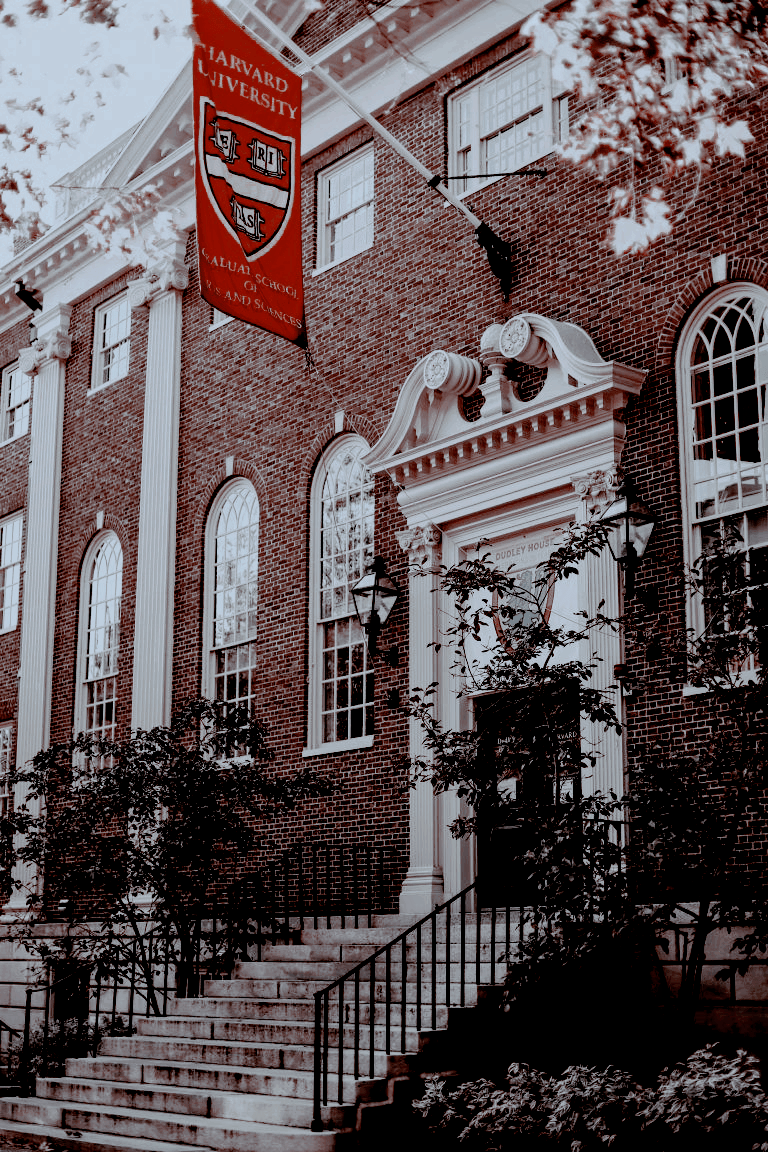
x=422 y=890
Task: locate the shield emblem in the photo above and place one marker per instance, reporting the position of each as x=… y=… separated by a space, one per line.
x=248 y=175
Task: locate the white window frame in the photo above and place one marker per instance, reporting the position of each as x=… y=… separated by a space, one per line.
x=316 y=745
x=324 y=222
x=218 y=318
x=102 y=351
x=18 y=414
x=464 y=108
x=83 y=679
x=692 y=523
x=11 y=540
x=209 y=647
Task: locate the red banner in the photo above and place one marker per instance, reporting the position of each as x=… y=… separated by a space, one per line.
x=248 y=176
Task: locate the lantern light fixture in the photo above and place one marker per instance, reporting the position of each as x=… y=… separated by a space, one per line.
x=631 y=522
x=374 y=597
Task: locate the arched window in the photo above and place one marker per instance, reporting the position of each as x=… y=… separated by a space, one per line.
x=723 y=376
x=100 y=636
x=231 y=601
x=342 y=524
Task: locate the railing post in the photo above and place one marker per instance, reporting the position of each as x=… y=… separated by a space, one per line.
x=46 y=1018
x=24 y=1061
x=317 y=1117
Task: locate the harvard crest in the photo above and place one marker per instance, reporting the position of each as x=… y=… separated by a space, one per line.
x=248 y=175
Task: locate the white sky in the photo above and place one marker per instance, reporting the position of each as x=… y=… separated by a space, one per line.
x=48 y=59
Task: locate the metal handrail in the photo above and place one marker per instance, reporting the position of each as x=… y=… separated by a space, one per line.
x=414 y=933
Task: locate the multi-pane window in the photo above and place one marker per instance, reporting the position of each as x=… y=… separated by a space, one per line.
x=16 y=391
x=10 y=572
x=235 y=557
x=6 y=804
x=725 y=365
x=6 y=764
x=112 y=341
x=104 y=586
x=345 y=208
x=344 y=523
x=504 y=122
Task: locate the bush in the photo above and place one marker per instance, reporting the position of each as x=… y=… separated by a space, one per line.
x=67 y=1039
x=710 y=1101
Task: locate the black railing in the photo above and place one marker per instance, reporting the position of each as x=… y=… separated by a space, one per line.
x=134 y=972
x=439 y=981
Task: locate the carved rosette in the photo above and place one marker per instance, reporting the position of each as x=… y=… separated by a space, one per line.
x=451 y=373
x=518 y=342
x=169 y=275
x=598 y=489
x=56 y=345
x=421 y=544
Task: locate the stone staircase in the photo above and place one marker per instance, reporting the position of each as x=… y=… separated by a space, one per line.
x=232 y=1071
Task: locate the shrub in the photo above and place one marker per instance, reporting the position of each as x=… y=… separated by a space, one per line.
x=711 y=1100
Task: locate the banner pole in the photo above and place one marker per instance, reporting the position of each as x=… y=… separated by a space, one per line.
x=432 y=180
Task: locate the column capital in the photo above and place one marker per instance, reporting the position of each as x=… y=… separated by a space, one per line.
x=170 y=275
x=53 y=341
x=422 y=544
x=597 y=489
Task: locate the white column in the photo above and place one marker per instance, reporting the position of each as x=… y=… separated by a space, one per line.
x=600 y=583
x=46 y=359
x=156 y=565
x=423 y=885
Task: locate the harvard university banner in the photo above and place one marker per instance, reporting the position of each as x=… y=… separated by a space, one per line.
x=247 y=183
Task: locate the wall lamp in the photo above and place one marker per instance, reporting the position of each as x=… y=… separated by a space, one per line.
x=374 y=597
x=632 y=523
x=28 y=297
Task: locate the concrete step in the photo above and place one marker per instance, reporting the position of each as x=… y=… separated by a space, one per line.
x=203 y=1078
x=305 y=989
x=275 y=1010
x=261 y=1055
x=41 y=1134
x=286 y=1111
x=259 y=1031
x=234 y=1135
x=351 y=954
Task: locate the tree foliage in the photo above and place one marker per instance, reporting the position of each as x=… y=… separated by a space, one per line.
x=656 y=77
x=149 y=827
x=601 y=878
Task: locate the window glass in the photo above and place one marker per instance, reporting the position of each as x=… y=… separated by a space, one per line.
x=345 y=549
x=16 y=394
x=345 y=214
x=235 y=594
x=726 y=367
x=503 y=122
x=112 y=341
x=10 y=572
x=102 y=641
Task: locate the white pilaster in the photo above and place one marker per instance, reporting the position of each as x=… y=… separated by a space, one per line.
x=600 y=575
x=156 y=566
x=423 y=884
x=45 y=359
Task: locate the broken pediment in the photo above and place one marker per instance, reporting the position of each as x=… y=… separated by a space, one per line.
x=533 y=377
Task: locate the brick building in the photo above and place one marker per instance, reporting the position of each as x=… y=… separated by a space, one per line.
x=179 y=474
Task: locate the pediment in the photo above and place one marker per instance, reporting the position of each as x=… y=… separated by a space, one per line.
x=166 y=129
x=431 y=429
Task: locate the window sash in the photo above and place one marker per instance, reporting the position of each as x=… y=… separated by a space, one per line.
x=10 y=572
x=503 y=122
x=102 y=597
x=345 y=201
x=342 y=541
x=113 y=342
x=724 y=381
x=233 y=656
x=16 y=401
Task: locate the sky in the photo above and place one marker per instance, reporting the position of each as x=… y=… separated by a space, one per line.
x=74 y=72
